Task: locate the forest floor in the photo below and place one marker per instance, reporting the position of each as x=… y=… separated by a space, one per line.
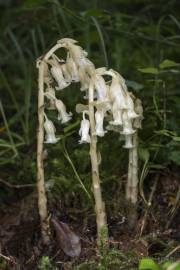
x=156 y=233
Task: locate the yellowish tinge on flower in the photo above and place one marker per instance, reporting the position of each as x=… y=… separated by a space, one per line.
x=50 y=131
x=84 y=130
x=99 y=118
x=63 y=116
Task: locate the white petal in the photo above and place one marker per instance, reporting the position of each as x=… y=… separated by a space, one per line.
x=99 y=118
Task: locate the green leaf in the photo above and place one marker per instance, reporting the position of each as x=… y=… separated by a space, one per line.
x=148 y=264
x=144 y=154
x=168 y=63
x=149 y=70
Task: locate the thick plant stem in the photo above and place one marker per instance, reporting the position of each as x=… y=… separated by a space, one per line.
x=102 y=230
x=132 y=182
x=42 y=199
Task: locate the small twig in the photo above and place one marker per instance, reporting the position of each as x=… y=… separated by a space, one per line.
x=149 y=204
x=9 y=259
x=172 y=251
x=15 y=186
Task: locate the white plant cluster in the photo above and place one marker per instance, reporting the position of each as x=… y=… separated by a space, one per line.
x=111 y=96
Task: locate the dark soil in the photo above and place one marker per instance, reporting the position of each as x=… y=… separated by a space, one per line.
x=21 y=246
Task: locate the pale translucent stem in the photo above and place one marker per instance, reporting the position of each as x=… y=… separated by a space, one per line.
x=42 y=199
x=129 y=179
x=132 y=182
x=99 y=204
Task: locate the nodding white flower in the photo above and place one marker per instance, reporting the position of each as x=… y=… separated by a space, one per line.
x=86 y=65
x=117 y=94
x=127 y=124
x=117 y=115
x=84 y=79
x=66 y=74
x=57 y=74
x=84 y=130
x=128 y=142
x=50 y=94
x=99 y=118
x=100 y=86
x=130 y=106
x=72 y=68
x=50 y=131
x=62 y=114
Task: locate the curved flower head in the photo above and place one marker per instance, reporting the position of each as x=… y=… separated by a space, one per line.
x=117 y=115
x=127 y=124
x=50 y=131
x=84 y=130
x=128 y=142
x=76 y=52
x=62 y=114
x=99 y=118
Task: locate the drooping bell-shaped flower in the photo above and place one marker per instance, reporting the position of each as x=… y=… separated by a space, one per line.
x=72 y=68
x=57 y=74
x=99 y=118
x=66 y=74
x=50 y=94
x=117 y=115
x=100 y=86
x=130 y=107
x=86 y=65
x=117 y=94
x=84 y=130
x=63 y=116
x=50 y=131
x=84 y=79
x=128 y=142
x=127 y=124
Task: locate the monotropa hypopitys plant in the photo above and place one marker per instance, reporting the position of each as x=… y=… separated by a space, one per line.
x=108 y=102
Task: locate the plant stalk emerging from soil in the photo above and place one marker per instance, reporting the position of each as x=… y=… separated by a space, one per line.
x=99 y=204
x=42 y=199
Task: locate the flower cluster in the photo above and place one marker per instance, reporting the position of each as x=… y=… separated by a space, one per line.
x=110 y=98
